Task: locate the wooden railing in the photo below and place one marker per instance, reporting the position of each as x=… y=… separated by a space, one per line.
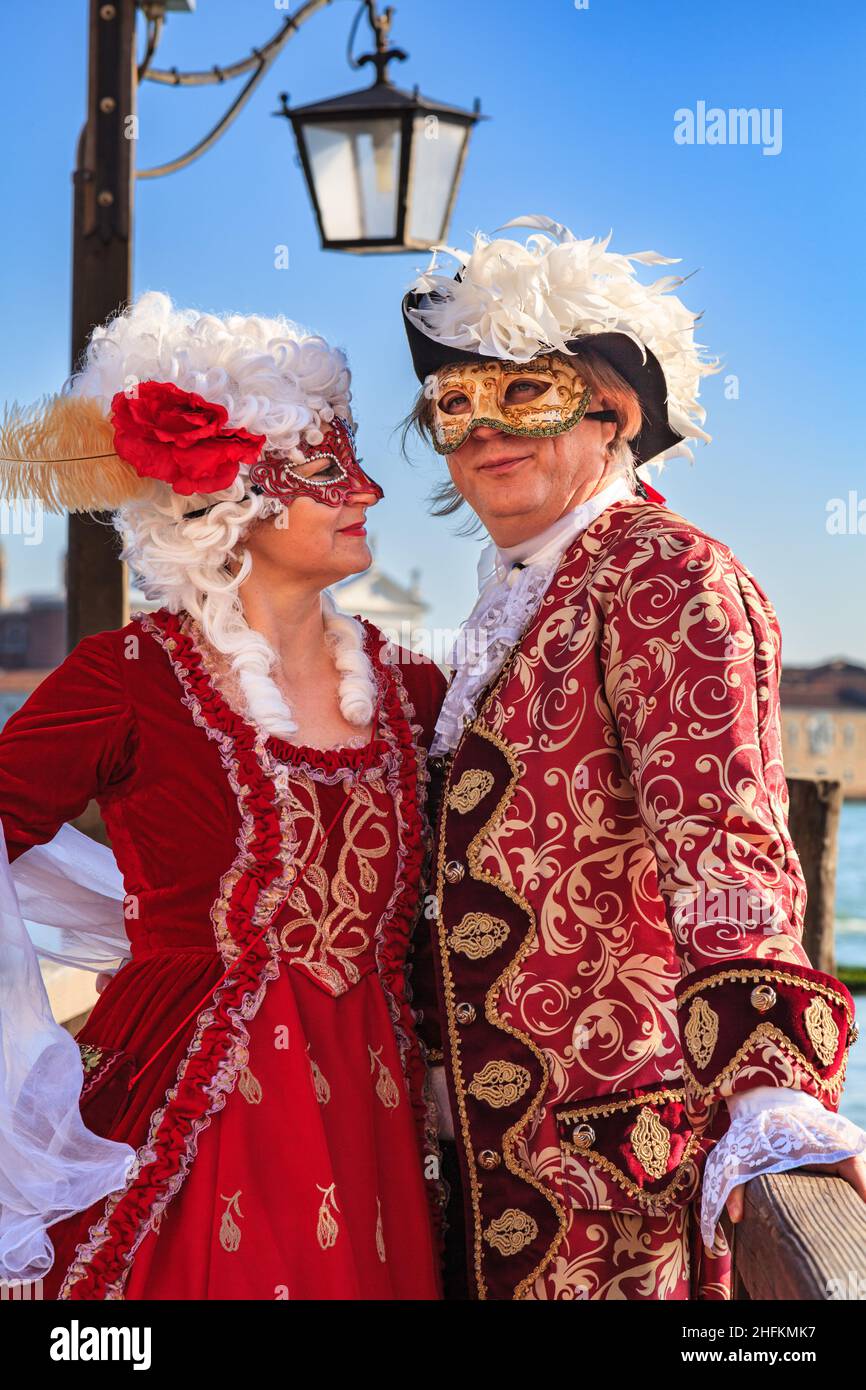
x=803 y=1235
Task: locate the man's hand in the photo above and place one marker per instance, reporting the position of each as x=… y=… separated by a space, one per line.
x=853 y=1170
x=443 y=1104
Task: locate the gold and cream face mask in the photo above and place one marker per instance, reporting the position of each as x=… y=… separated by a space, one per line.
x=541 y=397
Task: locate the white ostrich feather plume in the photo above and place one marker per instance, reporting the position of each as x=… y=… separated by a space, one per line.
x=515 y=299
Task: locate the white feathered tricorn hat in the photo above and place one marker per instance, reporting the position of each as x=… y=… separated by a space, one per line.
x=554 y=293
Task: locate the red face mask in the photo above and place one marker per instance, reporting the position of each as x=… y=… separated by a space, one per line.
x=338 y=479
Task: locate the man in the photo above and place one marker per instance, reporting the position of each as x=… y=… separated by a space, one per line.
x=617 y=988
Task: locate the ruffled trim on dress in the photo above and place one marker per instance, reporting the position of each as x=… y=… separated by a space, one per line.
x=395 y=927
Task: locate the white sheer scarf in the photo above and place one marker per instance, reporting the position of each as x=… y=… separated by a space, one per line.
x=64 y=901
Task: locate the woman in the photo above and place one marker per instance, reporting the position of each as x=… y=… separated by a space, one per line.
x=259 y=763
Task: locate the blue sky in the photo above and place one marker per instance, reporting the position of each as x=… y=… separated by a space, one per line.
x=583 y=105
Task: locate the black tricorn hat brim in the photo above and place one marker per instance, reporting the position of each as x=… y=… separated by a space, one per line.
x=637 y=366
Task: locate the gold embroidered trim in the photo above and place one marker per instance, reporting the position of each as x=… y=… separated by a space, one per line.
x=511 y=1231
x=473 y=786
x=327 y=1226
x=831 y=1084
x=321 y=1085
x=612 y=1107
x=90 y=1056
x=454 y=1036
x=759 y=973
x=822 y=1029
x=249 y=1086
x=509 y=1139
x=230 y=1231
x=386 y=1086
x=662 y=1198
x=680 y=1175
x=478 y=934
x=474 y=1193
x=500 y=1083
x=701 y=1031
x=651 y=1142
x=492 y=1015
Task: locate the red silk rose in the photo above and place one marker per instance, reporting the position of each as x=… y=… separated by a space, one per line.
x=180 y=438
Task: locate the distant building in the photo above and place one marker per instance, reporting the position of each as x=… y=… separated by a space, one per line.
x=824 y=723
x=398 y=609
x=33 y=631
x=32 y=643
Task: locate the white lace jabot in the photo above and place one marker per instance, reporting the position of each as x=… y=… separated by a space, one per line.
x=512 y=582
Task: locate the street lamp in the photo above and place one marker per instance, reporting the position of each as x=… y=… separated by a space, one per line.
x=382 y=165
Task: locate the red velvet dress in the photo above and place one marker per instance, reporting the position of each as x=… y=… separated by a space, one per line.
x=280 y=1137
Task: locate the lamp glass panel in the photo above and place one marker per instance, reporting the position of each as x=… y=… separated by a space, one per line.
x=437 y=145
x=355 y=167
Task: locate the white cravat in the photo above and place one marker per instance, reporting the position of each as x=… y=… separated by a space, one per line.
x=512 y=581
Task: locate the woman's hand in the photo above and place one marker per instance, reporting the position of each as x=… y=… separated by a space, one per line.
x=853 y=1170
x=443 y=1104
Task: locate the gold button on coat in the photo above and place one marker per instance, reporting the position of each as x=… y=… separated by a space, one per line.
x=583 y=1136
x=465 y=1013
x=489 y=1159
x=454 y=871
x=763 y=998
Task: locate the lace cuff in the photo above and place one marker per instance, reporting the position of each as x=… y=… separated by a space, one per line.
x=772 y=1130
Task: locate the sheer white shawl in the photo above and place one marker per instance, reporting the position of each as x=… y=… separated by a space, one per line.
x=63 y=901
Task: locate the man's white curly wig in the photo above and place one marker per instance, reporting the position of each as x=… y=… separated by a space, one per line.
x=274 y=379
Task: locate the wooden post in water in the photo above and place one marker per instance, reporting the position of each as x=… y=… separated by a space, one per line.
x=815 y=805
x=803 y=1235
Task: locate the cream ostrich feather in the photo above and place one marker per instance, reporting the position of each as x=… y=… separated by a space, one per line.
x=60 y=451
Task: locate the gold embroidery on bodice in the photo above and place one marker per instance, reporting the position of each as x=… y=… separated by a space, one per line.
x=330 y=920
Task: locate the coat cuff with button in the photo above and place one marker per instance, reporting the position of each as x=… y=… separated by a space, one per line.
x=750 y=1023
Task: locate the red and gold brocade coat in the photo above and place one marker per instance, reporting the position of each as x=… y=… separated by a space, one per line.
x=618 y=917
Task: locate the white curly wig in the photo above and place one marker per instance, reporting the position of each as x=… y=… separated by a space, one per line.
x=275 y=379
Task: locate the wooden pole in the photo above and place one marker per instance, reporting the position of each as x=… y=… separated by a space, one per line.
x=813 y=820
x=96 y=591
